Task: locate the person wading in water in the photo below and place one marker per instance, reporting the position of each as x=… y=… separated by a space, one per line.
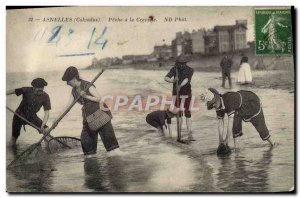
x=239 y=106
x=96 y=116
x=158 y=120
x=33 y=99
x=184 y=74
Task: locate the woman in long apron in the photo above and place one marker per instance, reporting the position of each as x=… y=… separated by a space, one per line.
x=245 y=75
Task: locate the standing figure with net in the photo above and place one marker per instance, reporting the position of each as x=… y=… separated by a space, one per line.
x=181 y=75
x=33 y=99
x=96 y=116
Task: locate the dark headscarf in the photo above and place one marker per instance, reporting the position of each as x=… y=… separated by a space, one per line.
x=244 y=59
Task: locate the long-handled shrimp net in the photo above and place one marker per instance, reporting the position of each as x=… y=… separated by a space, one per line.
x=52 y=144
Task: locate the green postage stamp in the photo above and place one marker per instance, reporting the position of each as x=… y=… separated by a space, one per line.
x=273 y=31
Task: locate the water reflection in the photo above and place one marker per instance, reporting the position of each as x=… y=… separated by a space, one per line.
x=31 y=177
x=95 y=175
x=105 y=174
x=238 y=174
x=117 y=173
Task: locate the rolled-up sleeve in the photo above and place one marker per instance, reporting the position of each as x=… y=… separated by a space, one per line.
x=47 y=103
x=21 y=90
x=171 y=73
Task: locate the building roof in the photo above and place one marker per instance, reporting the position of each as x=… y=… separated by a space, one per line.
x=229 y=27
x=127 y=56
x=162 y=46
x=210 y=33
x=141 y=56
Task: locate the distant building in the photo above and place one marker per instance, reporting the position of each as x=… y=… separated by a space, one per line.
x=140 y=58
x=127 y=59
x=116 y=61
x=198 y=44
x=132 y=59
x=177 y=45
x=182 y=44
x=152 y=58
x=220 y=39
x=176 y=48
x=187 y=43
x=105 y=61
x=231 y=37
x=210 y=42
x=162 y=52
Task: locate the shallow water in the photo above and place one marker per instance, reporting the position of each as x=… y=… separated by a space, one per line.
x=149 y=161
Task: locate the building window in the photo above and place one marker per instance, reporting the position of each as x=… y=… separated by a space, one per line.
x=240 y=39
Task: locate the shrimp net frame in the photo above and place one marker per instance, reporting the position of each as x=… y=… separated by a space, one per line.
x=51 y=145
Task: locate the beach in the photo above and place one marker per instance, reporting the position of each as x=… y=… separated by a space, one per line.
x=153 y=162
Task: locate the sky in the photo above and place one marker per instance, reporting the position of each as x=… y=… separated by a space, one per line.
x=37 y=45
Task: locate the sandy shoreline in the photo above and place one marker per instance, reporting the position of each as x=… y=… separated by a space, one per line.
x=269 y=79
x=281 y=80
x=278 y=71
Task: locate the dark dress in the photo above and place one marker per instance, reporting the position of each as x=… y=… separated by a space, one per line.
x=245 y=105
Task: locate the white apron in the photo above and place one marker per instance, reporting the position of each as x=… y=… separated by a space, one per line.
x=245 y=75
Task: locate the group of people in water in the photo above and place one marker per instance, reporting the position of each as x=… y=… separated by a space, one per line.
x=95 y=119
x=239 y=106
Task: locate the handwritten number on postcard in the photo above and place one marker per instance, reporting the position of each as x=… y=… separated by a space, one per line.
x=98 y=41
x=59 y=33
x=55 y=32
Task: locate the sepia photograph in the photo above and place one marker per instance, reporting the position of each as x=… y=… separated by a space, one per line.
x=149 y=99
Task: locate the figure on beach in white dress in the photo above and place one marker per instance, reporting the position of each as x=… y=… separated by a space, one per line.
x=245 y=75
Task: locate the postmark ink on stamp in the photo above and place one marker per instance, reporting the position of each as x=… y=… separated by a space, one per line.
x=273 y=31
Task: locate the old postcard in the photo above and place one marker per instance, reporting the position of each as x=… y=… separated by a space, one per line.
x=150 y=99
